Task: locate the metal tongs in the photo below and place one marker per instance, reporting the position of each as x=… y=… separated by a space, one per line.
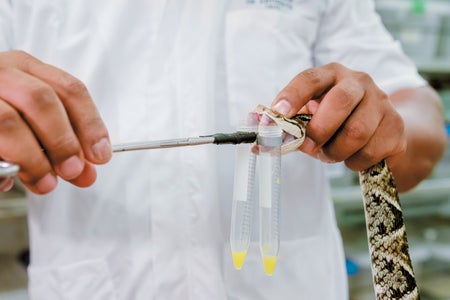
x=8 y=169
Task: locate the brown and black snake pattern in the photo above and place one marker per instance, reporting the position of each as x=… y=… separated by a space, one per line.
x=392 y=271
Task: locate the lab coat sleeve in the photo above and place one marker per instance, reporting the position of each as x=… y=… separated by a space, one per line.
x=5 y=25
x=352 y=33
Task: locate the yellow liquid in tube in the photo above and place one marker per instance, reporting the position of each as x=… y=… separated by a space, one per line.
x=238 y=259
x=269 y=264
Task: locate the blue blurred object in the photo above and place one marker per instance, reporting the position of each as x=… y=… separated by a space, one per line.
x=447 y=127
x=352 y=267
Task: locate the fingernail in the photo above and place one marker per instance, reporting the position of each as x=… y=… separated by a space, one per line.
x=71 y=167
x=102 y=150
x=46 y=183
x=283 y=107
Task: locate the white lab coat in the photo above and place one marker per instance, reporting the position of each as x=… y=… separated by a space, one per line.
x=155 y=224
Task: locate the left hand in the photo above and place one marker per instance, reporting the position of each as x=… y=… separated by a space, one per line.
x=353 y=119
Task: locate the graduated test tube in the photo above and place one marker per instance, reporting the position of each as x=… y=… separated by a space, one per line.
x=269 y=141
x=242 y=204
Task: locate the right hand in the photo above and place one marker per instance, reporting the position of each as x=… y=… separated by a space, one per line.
x=49 y=125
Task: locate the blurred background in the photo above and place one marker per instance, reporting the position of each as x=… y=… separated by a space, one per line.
x=423 y=29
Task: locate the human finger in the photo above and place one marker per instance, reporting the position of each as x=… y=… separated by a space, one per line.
x=87 y=176
x=35 y=170
x=359 y=124
x=79 y=106
x=334 y=109
x=309 y=84
x=46 y=117
x=387 y=142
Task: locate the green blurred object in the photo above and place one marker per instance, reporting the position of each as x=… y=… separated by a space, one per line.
x=418 y=7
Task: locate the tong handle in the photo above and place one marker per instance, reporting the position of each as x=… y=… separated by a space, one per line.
x=8 y=169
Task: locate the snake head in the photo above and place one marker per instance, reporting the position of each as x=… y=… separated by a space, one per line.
x=294 y=128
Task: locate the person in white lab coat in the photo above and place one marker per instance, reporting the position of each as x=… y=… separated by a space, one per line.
x=154 y=225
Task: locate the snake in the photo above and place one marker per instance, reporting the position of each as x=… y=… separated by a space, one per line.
x=392 y=272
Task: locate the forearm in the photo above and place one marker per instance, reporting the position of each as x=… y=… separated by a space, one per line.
x=421 y=110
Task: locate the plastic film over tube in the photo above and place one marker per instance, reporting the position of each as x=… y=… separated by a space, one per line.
x=242 y=204
x=269 y=141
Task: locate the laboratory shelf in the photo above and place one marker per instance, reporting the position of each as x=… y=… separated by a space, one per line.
x=13 y=204
x=13 y=223
x=434 y=67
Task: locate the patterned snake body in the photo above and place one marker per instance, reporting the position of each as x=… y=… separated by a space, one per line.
x=392 y=271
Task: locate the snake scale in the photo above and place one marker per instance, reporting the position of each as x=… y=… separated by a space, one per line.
x=393 y=276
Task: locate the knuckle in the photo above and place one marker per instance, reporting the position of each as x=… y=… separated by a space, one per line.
x=39 y=90
x=311 y=75
x=334 y=66
x=366 y=80
x=9 y=119
x=96 y=123
x=345 y=96
x=42 y=95
x=19 y=54
x=381 y=95
x=337 y=68
x=72 y=85
x=356 y=130
x=363 y=77
x=63 y=146
x=397 y=119
x=23 y=59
